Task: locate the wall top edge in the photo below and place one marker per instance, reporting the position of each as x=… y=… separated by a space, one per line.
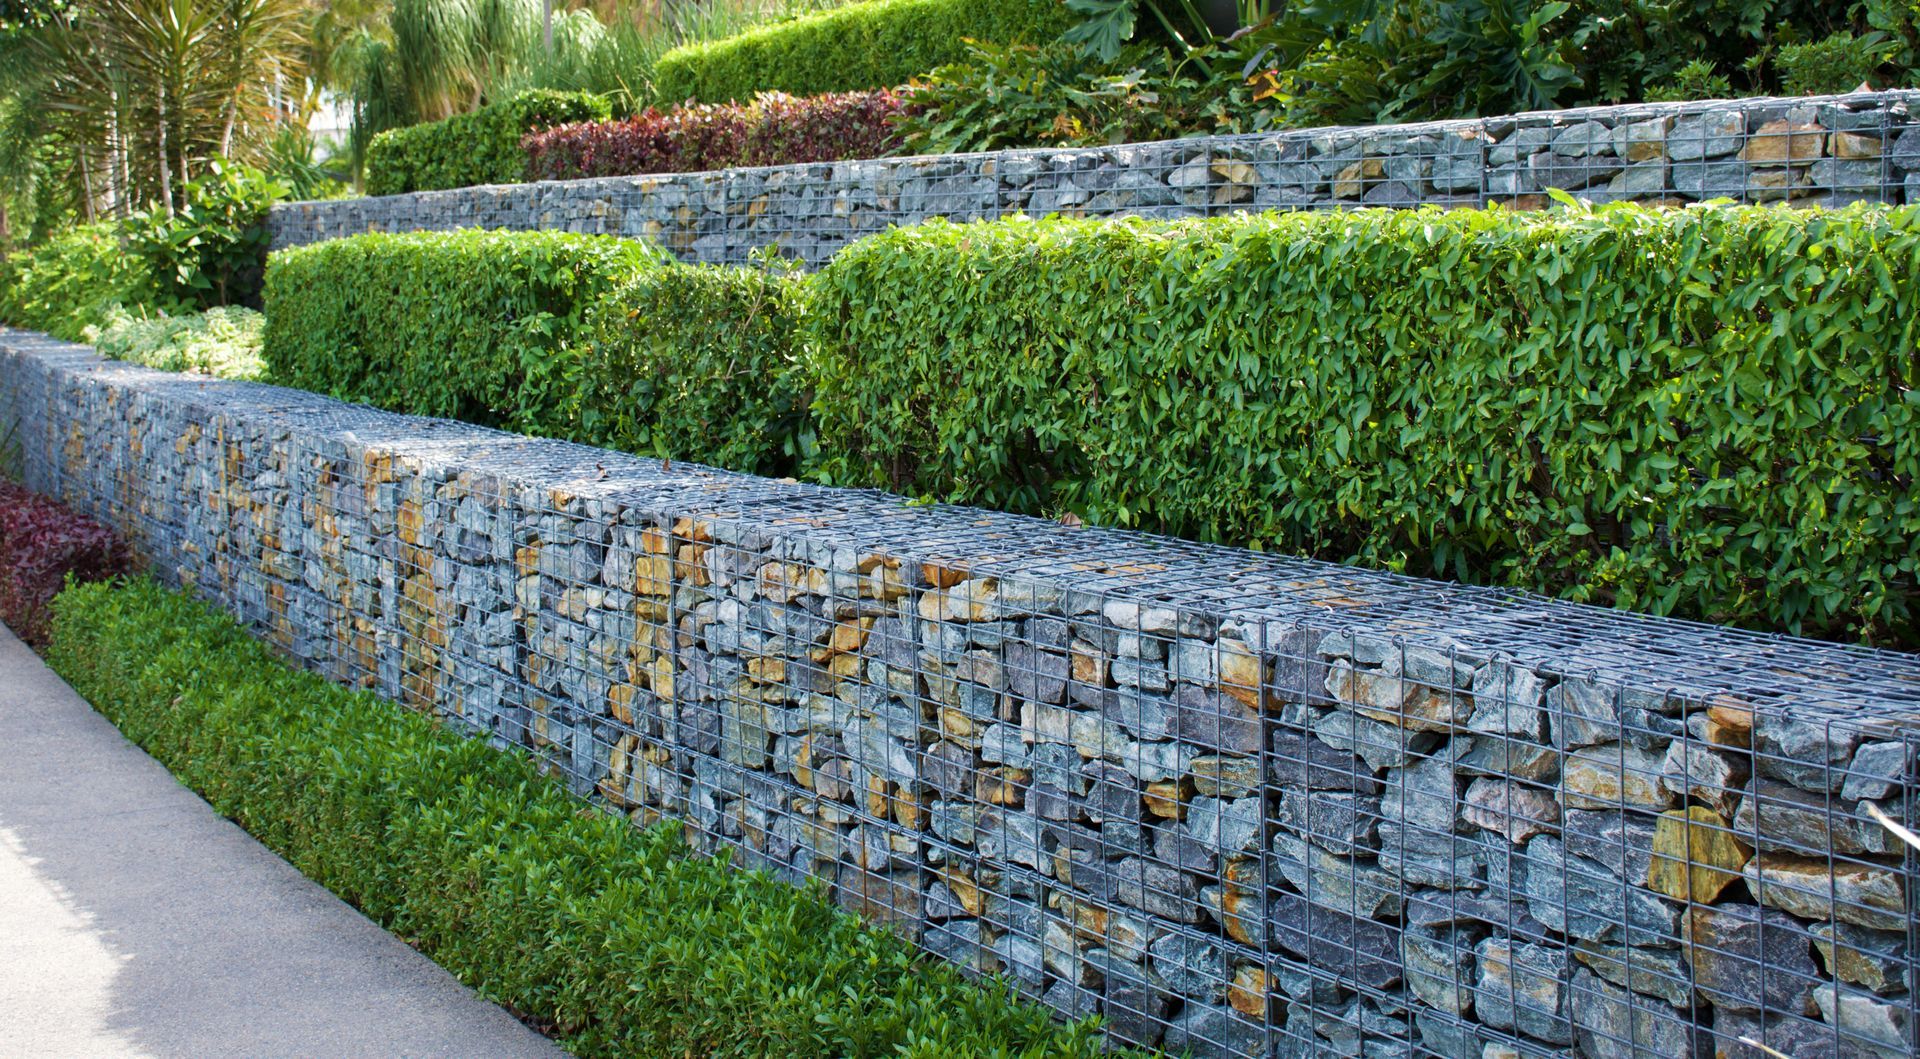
x=1268 y=600
x=1898 y=102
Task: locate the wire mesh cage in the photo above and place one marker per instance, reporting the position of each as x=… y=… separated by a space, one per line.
x=1825 y=151
x=1232 y=802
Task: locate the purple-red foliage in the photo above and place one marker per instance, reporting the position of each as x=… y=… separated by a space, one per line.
x=41 y=542
x=774 y=129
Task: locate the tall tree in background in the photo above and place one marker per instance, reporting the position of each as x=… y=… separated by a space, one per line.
x=125 y=101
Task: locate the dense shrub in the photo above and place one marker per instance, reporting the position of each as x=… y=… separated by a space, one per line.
x=866 y=45
x=615 y=937
x=69 y=282
x=699 y=362
x=223 y=342
x=1708 y=412
x=209 y=252
x=475 y=325
x=774 y=129
x=212 y=250
x=587 y=338
x=41 y=544
x=479 y=147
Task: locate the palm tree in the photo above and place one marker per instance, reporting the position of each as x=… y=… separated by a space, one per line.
x=140 y=94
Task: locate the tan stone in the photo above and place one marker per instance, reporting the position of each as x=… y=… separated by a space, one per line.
x=1167 y=799
x=1614 y=776
x=654 y=541
x=1866 y=895
x=1248 y=993
x=964 y=890
x=1730 y=723
x=1088 y=665
x=1781 y=142
x=1351 y=183
x=1695 y=855
x=943 y=576
x=1242 y=674
x=1856 y=147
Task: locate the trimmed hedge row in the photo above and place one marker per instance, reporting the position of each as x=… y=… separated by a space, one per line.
x=1713 y=412
x=866 y=45
x=1708 y=412
x=587 y=338
x=774 y=129
x=479 y=147
x=42 y=543
x=615 y=937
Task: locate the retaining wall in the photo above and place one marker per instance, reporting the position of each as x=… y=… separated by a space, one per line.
x=1813 y=151
x=1242 y=803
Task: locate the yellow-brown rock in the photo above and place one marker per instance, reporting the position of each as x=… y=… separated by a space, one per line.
x=1695 y=855
x=1781 y=142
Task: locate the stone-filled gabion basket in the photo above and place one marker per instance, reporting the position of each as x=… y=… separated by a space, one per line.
x=1235 y=803
x=1814 y=151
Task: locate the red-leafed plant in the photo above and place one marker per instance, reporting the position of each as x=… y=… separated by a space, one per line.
x=774 y=129
x=41 y=542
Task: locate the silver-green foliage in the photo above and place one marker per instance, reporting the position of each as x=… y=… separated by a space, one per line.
x=224 y=342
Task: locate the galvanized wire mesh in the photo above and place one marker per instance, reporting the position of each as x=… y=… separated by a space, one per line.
x=1233 y=802
x=1825 y=151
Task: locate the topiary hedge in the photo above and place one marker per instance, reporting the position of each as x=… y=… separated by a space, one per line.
x=1710 y=412
x=588 y=338
x=699 y=362
x=475 y=325
x=479 y=147
x=614 y=937
x=866 y=45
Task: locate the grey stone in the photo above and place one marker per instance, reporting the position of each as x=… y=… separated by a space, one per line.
x=1746 y=958
x=1339 y=821
x=1190 y=966
x=1362 y=950
x=1523 y=987
x=1612 y=1023
x=1810 y=754
x=1881 y=1026
x=1583 y=899
x=1440 y=967
x=1708 y=135
x=1875 y=959
x=1877 y=770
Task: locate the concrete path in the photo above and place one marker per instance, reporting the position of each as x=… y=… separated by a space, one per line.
x=134 y=921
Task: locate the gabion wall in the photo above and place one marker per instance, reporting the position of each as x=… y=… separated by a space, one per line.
x=1237 y=803
x=1813 y=151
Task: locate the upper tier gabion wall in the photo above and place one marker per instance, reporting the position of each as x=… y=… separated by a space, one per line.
x=1810 y=151
x=1234 y=802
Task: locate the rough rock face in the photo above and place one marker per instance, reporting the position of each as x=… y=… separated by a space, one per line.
x=1825 y=151
x=1237 y=803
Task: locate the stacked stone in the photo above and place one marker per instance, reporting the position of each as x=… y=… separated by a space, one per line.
x=1235 y=803
x=1817 y=151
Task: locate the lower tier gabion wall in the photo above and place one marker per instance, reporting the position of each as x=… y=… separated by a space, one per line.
x=1247 y=805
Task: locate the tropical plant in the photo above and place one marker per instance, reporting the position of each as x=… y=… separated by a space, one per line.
x=138 y=96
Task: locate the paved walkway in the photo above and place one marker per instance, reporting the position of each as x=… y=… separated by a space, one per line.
x=134 y=921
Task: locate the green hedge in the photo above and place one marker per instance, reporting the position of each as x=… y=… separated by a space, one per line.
x=876 y=44
x=473 y=325
x=479 y=147
x=588 y=338
x=699 y=362
x=616 y=937
x=1710 y=412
